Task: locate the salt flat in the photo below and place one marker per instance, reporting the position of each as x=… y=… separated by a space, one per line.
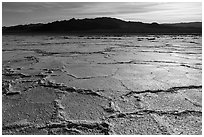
x=135 y=84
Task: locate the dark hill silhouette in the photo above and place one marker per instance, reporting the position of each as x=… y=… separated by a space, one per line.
x=104 y=25
x=191 y=24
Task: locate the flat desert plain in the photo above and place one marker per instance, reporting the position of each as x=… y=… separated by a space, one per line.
x=134 y=84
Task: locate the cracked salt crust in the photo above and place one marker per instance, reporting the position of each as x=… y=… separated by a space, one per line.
x=102 y=85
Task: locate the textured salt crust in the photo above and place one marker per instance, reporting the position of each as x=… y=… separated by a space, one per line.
x=102 y=85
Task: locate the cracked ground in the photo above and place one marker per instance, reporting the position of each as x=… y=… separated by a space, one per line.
x=139 y=85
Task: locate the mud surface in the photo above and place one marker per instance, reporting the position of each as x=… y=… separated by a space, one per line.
x=145 y=85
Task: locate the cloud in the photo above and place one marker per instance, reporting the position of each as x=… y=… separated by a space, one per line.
x=110 y=8
x=146 y=11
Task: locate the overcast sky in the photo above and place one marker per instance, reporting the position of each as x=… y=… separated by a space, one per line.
x=27 y=12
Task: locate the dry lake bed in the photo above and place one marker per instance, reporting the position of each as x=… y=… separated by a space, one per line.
x=139 y=84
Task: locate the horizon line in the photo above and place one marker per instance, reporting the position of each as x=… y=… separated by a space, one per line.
x=98 y=17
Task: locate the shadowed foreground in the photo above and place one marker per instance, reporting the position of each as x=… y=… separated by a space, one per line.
x=144 y=85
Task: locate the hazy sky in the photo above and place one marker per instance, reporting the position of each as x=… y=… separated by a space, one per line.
x=35 y=12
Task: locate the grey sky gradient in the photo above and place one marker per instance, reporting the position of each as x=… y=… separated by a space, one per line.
x=35 y=12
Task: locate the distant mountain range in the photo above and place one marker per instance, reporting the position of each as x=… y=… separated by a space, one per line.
x=104 y=25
